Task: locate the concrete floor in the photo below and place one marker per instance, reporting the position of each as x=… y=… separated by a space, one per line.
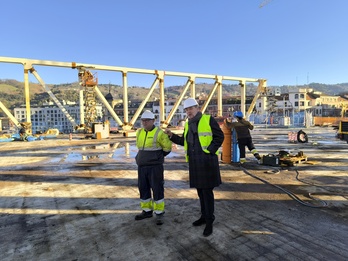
x=76 y=200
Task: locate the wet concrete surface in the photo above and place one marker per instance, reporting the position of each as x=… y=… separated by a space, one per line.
x=76 y=200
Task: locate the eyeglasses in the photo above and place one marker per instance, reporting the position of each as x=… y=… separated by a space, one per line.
x=146 y=120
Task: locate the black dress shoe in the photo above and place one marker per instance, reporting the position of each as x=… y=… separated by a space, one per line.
x=199 y=222
x=208 y=230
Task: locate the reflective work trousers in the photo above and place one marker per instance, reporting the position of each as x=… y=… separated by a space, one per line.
x=151 y=178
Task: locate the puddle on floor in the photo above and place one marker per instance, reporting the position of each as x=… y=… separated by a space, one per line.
x=118 y=151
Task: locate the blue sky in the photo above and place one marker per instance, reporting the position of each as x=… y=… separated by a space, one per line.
x=287 y=42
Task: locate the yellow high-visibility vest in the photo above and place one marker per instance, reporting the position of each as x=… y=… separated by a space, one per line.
x=205 y=134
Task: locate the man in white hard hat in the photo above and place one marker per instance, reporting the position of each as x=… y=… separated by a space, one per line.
x=153 y=145
x=202 y=138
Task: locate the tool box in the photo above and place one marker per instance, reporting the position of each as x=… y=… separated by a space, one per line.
x=284 y=158
x=271 y=160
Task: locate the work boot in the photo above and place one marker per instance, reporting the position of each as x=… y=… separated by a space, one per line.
x=199 y=222
x=159 y=219
x=144 y=214
x=208 y=230
x=242 y=161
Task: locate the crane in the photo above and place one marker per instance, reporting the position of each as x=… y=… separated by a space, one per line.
x=89 y=81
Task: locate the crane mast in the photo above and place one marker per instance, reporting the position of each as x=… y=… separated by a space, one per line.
x=89 y=81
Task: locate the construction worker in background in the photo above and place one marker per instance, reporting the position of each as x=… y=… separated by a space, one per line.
x=153 y=145
x=242 y=128
x=201 y=139
x=23 y=136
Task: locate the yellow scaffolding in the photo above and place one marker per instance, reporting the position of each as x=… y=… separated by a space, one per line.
x=89 y=80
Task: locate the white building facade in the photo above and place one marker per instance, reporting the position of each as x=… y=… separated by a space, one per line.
x=179 y=115
x=50 y=116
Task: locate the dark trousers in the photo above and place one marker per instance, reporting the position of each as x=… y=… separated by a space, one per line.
x=245 y=142
x=151 y=177
x=206 y=198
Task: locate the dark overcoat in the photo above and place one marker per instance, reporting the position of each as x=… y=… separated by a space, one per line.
x=204 y=170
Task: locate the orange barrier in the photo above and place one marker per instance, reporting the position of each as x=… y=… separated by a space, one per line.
x=328 y=121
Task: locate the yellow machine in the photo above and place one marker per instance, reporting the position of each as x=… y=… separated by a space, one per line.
x=342 y=132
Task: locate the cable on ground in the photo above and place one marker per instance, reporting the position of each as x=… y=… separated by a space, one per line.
x=289 y=193
x=329 y=193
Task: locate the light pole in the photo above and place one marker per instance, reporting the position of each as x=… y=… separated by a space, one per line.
x=284 y=107
x=293 y=116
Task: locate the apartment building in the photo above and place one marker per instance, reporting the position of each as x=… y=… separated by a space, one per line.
x=50 y=116
x=302 y=100
x=293 y=104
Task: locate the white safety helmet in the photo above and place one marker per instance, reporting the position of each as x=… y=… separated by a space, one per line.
x=148 y=115
x=190 y=102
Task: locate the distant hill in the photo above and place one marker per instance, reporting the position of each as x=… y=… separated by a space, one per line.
x=12 y=91
x=329 y=89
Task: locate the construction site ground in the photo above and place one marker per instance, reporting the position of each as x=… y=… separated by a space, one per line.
x=76 y=200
